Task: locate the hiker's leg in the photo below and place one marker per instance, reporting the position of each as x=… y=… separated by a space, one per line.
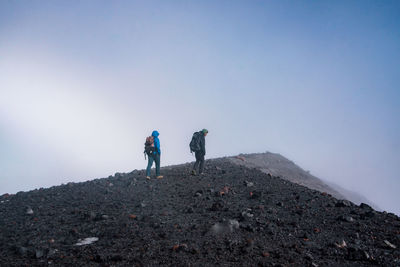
x=201 y=164
x=149 y=164
x=157 y=160
x=196 y=164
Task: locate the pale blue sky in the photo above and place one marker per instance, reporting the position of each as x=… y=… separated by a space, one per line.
x=83 y=82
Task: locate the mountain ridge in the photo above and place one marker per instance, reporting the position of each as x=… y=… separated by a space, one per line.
x=277 y=165
x=230 y=216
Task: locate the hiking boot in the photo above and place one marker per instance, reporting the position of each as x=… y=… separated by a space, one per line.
x=160 y=177
x=193 y=172
x=148 y=177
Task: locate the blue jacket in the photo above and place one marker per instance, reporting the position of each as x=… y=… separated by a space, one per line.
x=155 y=134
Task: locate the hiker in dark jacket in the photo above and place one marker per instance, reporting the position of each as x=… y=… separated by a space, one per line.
x=154 y=157
x=201 y=152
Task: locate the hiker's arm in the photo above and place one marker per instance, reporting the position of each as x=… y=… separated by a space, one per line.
x=157 y=144
x=203 y=145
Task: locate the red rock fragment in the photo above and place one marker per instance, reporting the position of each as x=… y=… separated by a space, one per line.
x=179 y=247
x=265 y=254
x=224 y=190
x=241 y=158
x=132 y=216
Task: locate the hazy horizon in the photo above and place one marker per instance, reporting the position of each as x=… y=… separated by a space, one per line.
x=83 y=83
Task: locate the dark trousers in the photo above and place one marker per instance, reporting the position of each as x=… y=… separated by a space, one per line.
x=153 y=158
x=199 y=161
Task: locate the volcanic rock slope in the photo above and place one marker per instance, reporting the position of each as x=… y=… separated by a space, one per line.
x=231 y=216
x=277 y=165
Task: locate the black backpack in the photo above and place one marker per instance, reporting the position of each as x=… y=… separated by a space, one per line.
x=149 y=148
x=195 y=143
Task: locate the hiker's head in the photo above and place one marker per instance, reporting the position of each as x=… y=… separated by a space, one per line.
x=205 y=132
x=155 y=134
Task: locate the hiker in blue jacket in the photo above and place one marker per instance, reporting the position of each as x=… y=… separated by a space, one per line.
x=154 y=156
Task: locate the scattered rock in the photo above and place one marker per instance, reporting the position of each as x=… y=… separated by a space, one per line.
x=248 y=246
x=248 y=227
x=225 y=227
x=345 y=218
x=118 y=175
x=86 y=241
x=277 y=224
x=241 y=158
x=343 y=203
x=190 y=210
x=255 y=195
x=217 y=206
x=39 y=253
x=29 y=211
x=22 y=251
x=52 y=252
x=365 y=206
x=390 y=245
x=248 y=184
x=369 y=214
x=116 y=257
x=180 y=247
x=357 y=254
x=247 y=214
x=224 y=191
x=341 y=244
x=309 y=257
x=265 y=254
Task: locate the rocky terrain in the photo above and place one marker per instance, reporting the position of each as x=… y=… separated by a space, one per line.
x=277 y=165
x=231 y=216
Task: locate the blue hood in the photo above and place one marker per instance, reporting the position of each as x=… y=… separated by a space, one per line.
x=155 y=134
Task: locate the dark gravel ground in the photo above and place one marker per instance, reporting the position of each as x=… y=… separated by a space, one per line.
x=231 y=216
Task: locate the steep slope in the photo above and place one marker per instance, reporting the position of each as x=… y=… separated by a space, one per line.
x=352 y=196
x=277 y=165
x=231 y=216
